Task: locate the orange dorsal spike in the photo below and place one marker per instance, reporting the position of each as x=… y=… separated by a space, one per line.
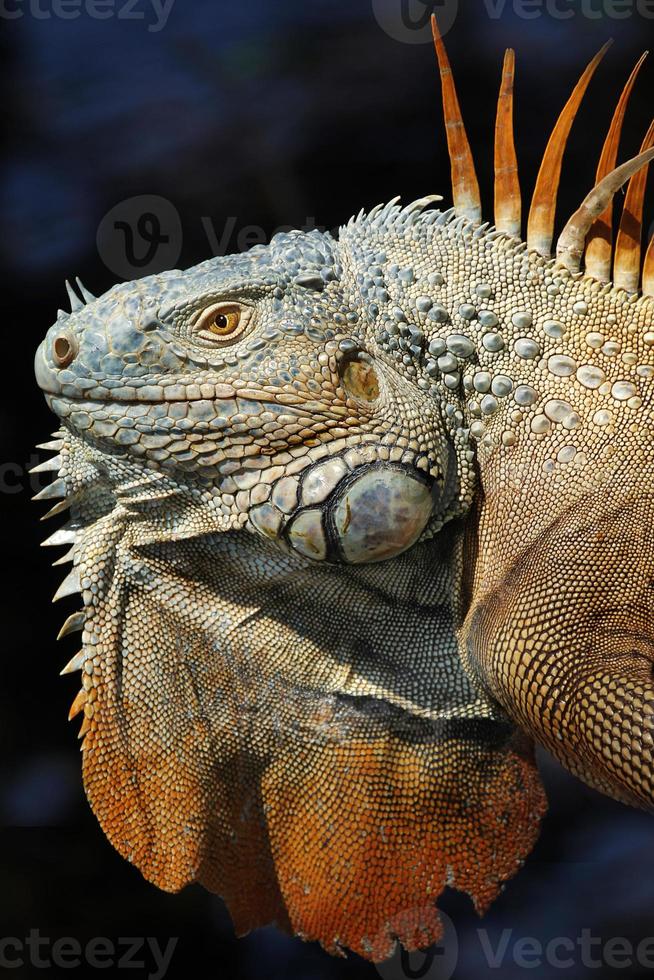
x=599 y=244
x=508 y=202
x=465 y=187
x=648 y=270
x=626 y=268
x=540 y=228
x=78 y=704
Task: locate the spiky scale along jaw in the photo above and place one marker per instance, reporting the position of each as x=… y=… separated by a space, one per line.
x=324 y=562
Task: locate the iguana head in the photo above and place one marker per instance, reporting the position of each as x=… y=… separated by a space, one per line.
x=256 y=380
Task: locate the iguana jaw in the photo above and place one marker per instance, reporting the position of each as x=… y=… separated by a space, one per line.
x=353 y=506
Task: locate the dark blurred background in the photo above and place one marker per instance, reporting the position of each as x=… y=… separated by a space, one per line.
x=141 y=137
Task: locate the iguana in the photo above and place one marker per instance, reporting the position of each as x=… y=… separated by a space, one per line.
x=354 y=519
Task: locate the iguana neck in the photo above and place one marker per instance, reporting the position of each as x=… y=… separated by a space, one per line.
x=536 y=370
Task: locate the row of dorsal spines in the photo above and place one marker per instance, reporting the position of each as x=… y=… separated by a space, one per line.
x=588 y=234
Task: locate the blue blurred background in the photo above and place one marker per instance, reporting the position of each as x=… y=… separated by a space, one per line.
x=221 y=122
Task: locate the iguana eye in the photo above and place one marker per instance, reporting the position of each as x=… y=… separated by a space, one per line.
x=225 y=321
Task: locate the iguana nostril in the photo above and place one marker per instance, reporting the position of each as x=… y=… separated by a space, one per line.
x=64 y=349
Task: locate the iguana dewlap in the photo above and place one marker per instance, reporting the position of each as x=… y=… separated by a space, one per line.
x=353 y=520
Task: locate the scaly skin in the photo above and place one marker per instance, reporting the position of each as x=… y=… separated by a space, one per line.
x=328 y=565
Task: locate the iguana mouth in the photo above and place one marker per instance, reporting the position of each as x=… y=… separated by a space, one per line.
x=81 y=400
x=165 y=389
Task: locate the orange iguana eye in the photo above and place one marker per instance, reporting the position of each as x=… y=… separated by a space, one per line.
x=224 y=320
